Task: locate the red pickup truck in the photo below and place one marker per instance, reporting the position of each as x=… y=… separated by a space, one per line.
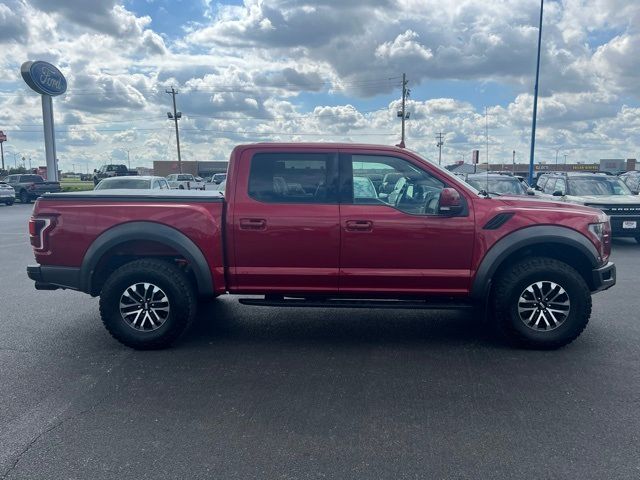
x=325 y=225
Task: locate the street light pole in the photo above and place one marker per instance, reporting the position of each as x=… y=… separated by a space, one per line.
x=535 y=98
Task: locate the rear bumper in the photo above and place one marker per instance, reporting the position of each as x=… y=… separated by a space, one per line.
x=604 y=277
x=52 y=278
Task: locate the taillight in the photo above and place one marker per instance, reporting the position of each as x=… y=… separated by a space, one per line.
x=38 y=229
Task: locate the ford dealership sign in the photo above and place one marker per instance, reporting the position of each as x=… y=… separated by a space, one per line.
x=44 y=78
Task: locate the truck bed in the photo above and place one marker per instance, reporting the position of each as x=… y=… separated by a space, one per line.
x=82 y=218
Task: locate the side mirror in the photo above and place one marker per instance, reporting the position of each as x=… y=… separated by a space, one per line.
x=531 y=191
x=383 y=196
x=558 y=193
x=95 y=170
x=635 y=192
x=450 y=202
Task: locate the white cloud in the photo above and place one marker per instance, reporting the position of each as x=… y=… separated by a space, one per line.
x=404 y=45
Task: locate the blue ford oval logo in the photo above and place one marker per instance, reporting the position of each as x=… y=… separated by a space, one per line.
x=44 y=78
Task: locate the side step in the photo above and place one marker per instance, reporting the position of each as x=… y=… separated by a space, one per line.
x=357 y=303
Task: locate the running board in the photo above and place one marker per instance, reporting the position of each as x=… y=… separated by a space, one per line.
x=339 y=303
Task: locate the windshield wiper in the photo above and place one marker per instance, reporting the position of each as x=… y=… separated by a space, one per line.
x=488 y=194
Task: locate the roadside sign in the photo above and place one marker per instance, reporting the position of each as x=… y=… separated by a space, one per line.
x=3 y=137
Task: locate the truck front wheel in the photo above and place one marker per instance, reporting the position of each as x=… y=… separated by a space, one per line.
x=541 y=303
x=147 y=304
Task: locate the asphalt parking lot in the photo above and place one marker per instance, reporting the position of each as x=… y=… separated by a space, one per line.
x=287 y=393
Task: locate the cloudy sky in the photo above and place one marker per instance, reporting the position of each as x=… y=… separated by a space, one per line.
x=324 y=70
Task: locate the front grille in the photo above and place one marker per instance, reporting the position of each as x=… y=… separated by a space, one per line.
x=618 y=210
x=617 y=226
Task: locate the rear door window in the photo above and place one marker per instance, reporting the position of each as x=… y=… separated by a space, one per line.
x=293 y=177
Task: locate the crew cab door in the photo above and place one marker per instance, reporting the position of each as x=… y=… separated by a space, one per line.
x=285 y=223
x=395 y=242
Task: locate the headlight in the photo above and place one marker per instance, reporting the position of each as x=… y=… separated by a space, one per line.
x=597 y=229
x=602 y=231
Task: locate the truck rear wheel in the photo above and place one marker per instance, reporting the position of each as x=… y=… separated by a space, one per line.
x=147 y=304
x=24 y=197
x=541 y=303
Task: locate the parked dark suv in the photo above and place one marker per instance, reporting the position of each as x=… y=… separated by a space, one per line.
x=606 y=192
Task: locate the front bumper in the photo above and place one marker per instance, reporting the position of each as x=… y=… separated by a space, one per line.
x=617 y=226
x=53 y=278
x=604 y=277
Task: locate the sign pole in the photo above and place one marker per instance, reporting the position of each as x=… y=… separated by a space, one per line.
x=49 y=82
x=49 y=138
x=2 y=150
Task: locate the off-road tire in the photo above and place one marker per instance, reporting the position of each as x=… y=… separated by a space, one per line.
x=24 y=197
x=511 y=283
x=173 y=282
x=8 y=203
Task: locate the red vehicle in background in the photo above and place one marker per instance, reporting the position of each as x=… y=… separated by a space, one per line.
x=325 y=225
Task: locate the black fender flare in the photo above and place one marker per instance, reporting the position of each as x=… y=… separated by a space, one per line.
x=528 y=236
x=147 y=231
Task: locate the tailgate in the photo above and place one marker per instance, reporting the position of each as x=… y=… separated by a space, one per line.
x=46 y=187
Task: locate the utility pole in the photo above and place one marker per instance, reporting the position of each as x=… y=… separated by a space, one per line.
x=557 y=151
x=175 y=117
x=535 y=99
x=565 y=158
x=514 y=162
x=439 y=145
x=403 y=114
x=486 y=132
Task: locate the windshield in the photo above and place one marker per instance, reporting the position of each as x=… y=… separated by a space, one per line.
x=129 y=183
x=500 y=186
x=597 y=186
x=446 y=172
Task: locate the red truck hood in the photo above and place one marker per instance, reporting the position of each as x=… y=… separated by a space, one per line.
x=533 y=203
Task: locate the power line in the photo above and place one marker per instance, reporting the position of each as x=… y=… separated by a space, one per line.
x=226 y=88
x=212 y=117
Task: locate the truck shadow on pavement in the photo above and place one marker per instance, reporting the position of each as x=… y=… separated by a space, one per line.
x=225 y=319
